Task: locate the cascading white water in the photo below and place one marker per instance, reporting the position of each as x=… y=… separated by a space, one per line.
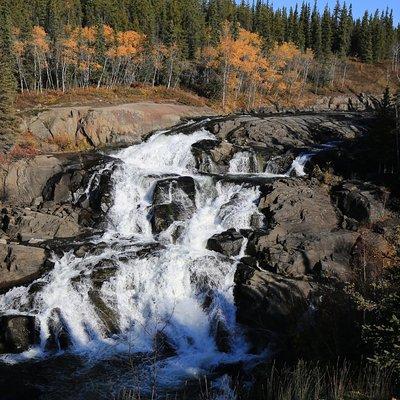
x=242 y=162
x=299 y=164
x=180 y=288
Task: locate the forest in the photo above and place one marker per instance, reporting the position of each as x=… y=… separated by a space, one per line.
x=236 y=52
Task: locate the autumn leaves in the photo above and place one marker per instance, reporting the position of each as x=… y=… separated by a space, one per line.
x=101 y=56
x=249 y=73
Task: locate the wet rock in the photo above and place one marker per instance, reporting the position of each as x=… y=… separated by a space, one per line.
x=100 y=198
x=18 y=333
x=228 y=243
x=222 y=337
x=277 y=133
x=173 y=200
x=163 y=346
x=21 y=264
x=107 y=315
x=59 y=337
x=267 y=302
x=102 y=272
x=212 y=156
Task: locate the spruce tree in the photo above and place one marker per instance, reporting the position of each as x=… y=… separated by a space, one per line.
x=343 y=34
x=316 y=32
x=366 y=39
x=326 y=27
x=7 y=80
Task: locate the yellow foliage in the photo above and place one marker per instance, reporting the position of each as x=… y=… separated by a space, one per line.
x=39 y=39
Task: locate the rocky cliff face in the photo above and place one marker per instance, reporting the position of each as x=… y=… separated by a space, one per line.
x=107 y=125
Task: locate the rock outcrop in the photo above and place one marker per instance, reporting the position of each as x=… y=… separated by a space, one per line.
x=18 y=333
x=267 y=302
x=21 y=264
x=173 y=200
x=107 y=125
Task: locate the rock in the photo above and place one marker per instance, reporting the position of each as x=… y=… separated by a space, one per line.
x=107 y=315
x=18 y=333
x=21 y=265
x=228 y=243
x=173 y=200
x=44 y=225
x=26 y=179
x=212 y=156
x=62 y=192
x=281 y=132
x=162 y=345
x=100 y=197
x=100 y=126
x=267 y=303
x=222 y=337
x=360 y=201
x=302 y=231
x=372 y=254
x=59 y=337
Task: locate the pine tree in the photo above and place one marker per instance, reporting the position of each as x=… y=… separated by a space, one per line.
x=7 y=79
x=244 y=15
x=305 y=27
x=142 y=18
x=343 y=34
x=326 y=26
x=366 y=39
x=316 y=32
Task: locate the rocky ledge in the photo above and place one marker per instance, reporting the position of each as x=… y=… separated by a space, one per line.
x=102 y=126
x=312 y=229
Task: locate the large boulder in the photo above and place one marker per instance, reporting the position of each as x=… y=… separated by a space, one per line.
x=26 y=179
x=54 y=222
x=18 y=333
x=363 y=202
x=282 y=132
x=302 y=232
x=59 y=337
x=228 y=243
x=267 y=303
x=173 y=200
x=212 y=156
x=21 y=264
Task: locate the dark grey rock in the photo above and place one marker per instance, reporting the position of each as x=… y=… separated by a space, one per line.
x=18 y=333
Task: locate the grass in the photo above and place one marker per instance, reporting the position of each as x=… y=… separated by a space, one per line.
x=313 y=381
x=102 y=96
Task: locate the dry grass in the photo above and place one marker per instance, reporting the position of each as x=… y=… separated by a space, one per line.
x=26 y=145
x=65 y=143
x=101 y=96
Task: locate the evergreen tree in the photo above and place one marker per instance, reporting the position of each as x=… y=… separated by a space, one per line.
x=244 y=16
x=326 y=27
x=316 y=32
x=343 y=33
x=7 y=79
x=142 y=16
x=366 y=39
x=305 y=38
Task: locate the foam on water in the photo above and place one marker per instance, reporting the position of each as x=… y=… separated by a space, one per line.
x=164 y=290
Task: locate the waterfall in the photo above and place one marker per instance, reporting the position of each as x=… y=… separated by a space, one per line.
x=138 y=287
x=242 y=162
x=299 y=164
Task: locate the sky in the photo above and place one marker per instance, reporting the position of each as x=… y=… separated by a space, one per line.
x=359 y=6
